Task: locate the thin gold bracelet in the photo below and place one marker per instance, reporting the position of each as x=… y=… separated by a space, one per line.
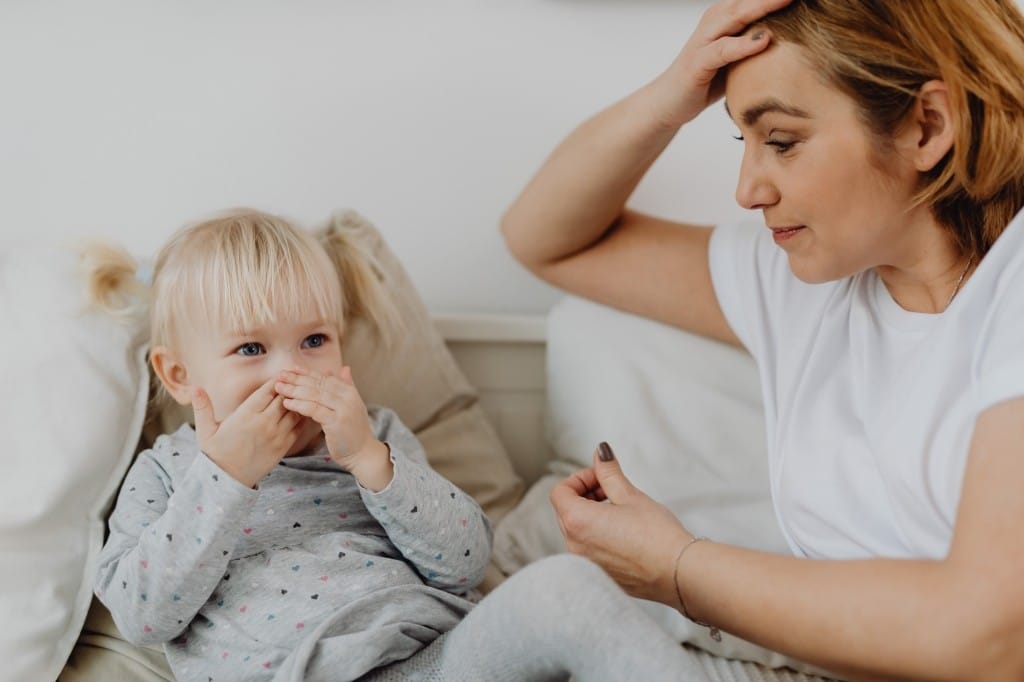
x=715 y=633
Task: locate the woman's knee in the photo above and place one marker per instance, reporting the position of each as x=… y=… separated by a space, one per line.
x=568 y=578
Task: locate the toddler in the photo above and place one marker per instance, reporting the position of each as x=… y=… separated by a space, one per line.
x=294 y=533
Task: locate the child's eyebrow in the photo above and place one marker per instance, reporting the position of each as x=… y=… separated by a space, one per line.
x=244 y=333
x=312 y=323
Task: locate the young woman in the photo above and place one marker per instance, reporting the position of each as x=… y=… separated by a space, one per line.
x=882 y=296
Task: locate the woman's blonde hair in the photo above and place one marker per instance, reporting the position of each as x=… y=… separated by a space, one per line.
x=238 y=270
x=880 y=52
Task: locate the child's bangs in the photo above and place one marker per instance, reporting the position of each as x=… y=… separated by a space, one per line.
x=258 y=277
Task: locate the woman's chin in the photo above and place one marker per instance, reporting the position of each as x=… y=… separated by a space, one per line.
x=810 y=272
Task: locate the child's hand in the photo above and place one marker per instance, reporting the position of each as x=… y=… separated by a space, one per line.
x=252 y=439
x=333 y=401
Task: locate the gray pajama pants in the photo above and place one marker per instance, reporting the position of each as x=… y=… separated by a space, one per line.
x=558 y=617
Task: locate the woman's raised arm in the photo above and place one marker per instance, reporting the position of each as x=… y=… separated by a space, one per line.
x=570 y=226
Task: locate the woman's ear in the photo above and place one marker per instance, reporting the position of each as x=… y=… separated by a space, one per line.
x=171 y=373
x=932 y=125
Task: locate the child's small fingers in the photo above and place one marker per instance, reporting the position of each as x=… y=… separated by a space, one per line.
x=206 y=424
x=276 y=406
x=309 y=408
x=260 y=399
x=288 y=418
x=319 y=382
x=299 y=423
x=290 y=390
x=325 y=398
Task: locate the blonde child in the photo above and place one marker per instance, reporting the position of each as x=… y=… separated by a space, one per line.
x=296 y=534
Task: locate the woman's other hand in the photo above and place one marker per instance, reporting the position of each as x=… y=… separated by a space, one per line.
x=633 y=538
x=692 y=81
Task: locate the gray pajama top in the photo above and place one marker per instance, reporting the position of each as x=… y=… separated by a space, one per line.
x=242 y=583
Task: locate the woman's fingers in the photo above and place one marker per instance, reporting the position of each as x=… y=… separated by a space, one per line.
x=565 y=493
x=719 y=29
x=694 y=80
x=610 y=477
x=582 y=481
x=727 y=50
x=729 y=17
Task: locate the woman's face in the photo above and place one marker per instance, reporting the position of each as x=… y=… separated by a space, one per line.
x=836 y=202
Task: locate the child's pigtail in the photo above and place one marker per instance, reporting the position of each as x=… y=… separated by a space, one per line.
x=361 y=278
x=111 y=278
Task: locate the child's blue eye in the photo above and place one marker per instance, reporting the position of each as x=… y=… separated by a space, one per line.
x=249 y=349
x=314 y=341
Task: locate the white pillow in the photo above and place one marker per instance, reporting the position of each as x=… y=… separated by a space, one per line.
x=75 y=392
x=684 y=417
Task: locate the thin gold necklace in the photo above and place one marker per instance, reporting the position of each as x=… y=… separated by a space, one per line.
x=960 y=281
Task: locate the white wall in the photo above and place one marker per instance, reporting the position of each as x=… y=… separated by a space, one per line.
x=126 y=119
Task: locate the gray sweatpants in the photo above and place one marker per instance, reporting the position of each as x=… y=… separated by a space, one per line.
x=558 y=617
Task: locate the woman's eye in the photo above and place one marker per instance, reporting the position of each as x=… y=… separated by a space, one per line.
x=249 y=349
x=315 y=341
x=781 y=146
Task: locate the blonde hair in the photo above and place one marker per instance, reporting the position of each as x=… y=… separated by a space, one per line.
x=880 y=53
x=241 y=268
x=111 y=279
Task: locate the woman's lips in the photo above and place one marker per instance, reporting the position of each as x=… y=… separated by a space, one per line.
x=781 y=234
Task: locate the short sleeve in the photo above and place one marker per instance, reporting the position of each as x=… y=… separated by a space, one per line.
x=999 y=362
x=725 y=252
x=749 y=274
x=766 y=305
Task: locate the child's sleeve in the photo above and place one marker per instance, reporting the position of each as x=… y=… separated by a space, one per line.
x=438 y=528
x=168 y=548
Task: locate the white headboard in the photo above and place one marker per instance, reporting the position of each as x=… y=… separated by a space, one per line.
x=503 y=356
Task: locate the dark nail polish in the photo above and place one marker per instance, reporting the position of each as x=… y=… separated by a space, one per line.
x=604 y=452
x=757 y=35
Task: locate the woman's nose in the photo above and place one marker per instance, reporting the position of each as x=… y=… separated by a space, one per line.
x=754 y=189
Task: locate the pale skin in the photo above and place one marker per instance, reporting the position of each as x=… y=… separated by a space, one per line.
x=957 y=618
x=264 y=394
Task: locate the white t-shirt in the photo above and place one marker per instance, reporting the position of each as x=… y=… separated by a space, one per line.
x=870 y=408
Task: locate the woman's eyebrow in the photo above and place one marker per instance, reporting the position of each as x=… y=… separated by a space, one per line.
x=755 y=112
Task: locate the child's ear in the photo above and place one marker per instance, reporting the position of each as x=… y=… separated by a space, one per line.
x=171 y=373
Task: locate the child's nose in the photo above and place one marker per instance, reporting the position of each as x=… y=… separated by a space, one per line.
x=289 y=361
